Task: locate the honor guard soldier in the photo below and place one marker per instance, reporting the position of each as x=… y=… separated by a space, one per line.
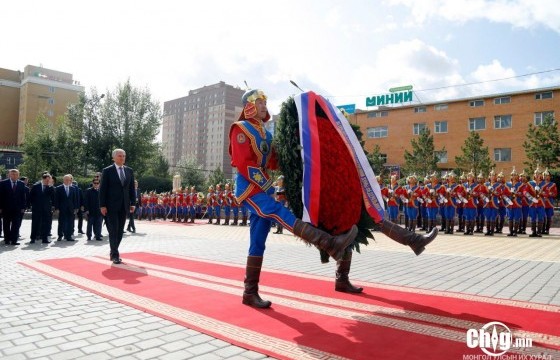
x=210 y=202
x=470 y=206
x=491 y=202
x=227 y=202
x=218 y=201
x=503 y=202
x=477 y=191
x=536 y=209
x=432 y=200
x=392 y=204
x=414 y=197
x=549 y=194
x=252 y=154
x=513 y=206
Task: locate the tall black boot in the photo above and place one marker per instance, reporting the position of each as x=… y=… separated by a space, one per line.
x=235 y=220
x=334 y=245
x=412 y=224
x=252 y=275
x=416 y=242
x=443 y=224
x=523 y=226
x=512 y=228
x=244 y=221
x=534 y=232
x=218 y=218
x=540 y=228
x=342 y=282
x=548 y=225
x=226 y=221
x=489 y=228
x=450 y=226
x=209 y=219
x=461 y=224
x=279 y=229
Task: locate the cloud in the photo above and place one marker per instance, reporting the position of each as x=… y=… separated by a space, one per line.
x=525 y=14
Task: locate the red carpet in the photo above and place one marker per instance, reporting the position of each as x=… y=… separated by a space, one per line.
x=308 y=319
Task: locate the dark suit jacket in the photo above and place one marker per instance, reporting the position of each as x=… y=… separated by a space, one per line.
x=112 y=193
x=66 y=203
x=91 y=202
x=12 y=201
x=41 y=200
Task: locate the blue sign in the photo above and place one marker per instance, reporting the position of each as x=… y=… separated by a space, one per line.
x=349 y=109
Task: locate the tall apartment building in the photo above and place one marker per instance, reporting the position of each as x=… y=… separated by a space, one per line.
x=197 y=126
x=23 y=96
x=501 y=119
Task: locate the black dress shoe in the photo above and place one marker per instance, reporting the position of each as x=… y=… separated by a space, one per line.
x=45 y=242
x=117 y=260
x=99 y=239
x=80 y=232
x=32 y=242
x=15 y=243
x=59 y=239
x=70 y=239
x=88 y=239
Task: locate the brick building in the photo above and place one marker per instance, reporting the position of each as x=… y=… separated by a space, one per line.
x=25 y=95
x=501 y=119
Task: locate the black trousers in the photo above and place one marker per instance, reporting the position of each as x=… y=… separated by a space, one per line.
x=131 y=225
x=41 y=221
x=94 y=224
x=66 y=223
x=115 y=221
x=11 y=222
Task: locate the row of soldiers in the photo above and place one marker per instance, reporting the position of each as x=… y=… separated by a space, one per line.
x=474 y=201
x=185 y=206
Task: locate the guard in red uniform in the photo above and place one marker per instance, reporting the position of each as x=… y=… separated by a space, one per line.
x=252 y=154
x=549 y=194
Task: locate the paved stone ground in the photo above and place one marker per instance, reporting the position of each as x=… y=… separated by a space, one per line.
x=43 y=318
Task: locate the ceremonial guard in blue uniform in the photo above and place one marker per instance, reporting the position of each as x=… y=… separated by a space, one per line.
x=252 y=154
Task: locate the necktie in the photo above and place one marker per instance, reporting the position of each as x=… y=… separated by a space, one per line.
x=13 y=185
x=121 y=175
x=67 y=190
x=43 y=188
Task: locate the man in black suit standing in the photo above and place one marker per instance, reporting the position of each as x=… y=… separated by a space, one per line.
x=93 y=211
x=42 y=202
x=12 y=205
x=66 y=202
x=117 y=199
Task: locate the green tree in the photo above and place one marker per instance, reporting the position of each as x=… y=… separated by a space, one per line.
x=216 y=177
x=542 y=144
x=158 y=165
x=423 y=159
x=128 y=118
x=474 y=155
x=191 y=173
x=51 y=146
x=377 y=161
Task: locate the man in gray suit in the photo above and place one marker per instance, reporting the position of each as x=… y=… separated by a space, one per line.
x=116 y=199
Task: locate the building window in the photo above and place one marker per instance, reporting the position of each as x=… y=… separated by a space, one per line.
x=377 y=132
x=420 y=109
x=502 y=100
x=51 y=89
x=440 y=127
x=374 y=114
x=540 y=116
x=476 y=103
x=502 y=154
x=418 y=127
x=50 y=113
x=51 y=101
x=383 y=158
x=476 y=124
x=502 y=122
x=440 y=107
x=543 y=95
x=10 y=160
x=441 y=156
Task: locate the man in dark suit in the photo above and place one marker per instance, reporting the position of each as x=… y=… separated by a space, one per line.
x=117 y=199
x=41 y=199
x=93 y=211
x=12 y=205
x=66 y=203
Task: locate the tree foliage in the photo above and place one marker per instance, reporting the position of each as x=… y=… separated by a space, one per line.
x=377 y=161
x=542 y=144
x=474 y=155
x=216 y=177
x=50 y=146
x=423 y=159
x=128 y=118
x=191 y=173
x=158 y=165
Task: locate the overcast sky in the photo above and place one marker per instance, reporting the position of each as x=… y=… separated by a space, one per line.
x=345 y=50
